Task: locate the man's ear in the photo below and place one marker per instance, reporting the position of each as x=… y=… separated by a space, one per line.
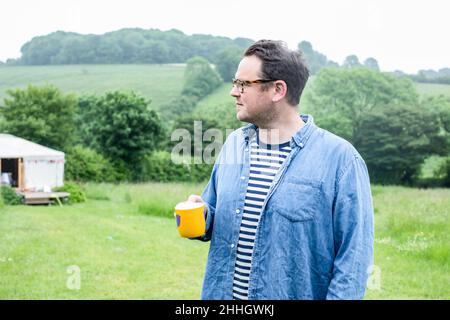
x=279 y=90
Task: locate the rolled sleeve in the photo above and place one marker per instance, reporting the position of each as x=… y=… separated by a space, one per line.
x=209 y=196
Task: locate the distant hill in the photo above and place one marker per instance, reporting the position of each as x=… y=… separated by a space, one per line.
x=132 y=45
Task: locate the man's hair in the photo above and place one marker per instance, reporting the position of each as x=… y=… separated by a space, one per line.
x=281 y=63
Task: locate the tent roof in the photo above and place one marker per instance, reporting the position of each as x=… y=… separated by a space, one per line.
x=15 y=147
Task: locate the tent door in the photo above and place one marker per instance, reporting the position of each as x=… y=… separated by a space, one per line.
x=15 y=170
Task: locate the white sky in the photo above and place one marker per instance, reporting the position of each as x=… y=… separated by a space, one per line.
x=407 y=35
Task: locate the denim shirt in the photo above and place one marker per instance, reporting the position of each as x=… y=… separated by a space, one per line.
x=315 y=235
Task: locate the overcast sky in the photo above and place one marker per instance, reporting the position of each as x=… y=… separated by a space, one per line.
x=406 y=35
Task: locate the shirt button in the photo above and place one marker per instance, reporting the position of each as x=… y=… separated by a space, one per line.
x=242 y=178
x=301 y=145
x=232 y=245
x=237 y=210
x=246 y=149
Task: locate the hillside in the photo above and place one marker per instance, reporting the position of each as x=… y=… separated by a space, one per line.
x=156 y=82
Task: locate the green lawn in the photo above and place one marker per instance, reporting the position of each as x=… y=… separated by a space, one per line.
x=412 y=243
x=121 y=254
x=124 y=252
x=159 y=83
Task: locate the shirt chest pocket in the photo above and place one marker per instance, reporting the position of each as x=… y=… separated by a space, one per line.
x=297 y=200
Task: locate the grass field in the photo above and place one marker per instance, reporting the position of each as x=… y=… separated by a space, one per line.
x=433 y=89
x=123 y=251
x=121 y=254
x=159 y=83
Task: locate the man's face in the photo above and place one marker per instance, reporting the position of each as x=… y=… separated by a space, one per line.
x=254 y=105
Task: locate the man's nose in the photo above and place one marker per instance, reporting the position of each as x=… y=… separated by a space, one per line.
x=235 y=92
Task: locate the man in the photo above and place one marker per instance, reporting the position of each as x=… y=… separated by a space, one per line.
x=289 y=208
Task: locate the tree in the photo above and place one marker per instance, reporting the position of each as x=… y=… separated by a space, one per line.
x=43 y=115
x=394 y=141
x=339 y=98
x=200 y=78
x=179 y=106
x=440 y=106
x=314 y=59
x=130 y=45
x=84 y=165
x=227 y=62
x=443 y=172
x=371 y=63
x=351 y=61
x=41 y=50
x=120 y=126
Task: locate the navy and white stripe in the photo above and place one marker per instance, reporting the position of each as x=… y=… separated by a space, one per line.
x=265 y=161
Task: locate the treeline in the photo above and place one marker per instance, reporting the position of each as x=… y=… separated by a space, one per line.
x=317 y=60
x=432 y=76
x=135 y=45
x=124 y=46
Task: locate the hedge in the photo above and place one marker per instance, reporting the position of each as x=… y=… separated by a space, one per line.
x=84 y=164
x=160 y=167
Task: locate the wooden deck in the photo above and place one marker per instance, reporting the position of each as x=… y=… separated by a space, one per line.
x=43 y=197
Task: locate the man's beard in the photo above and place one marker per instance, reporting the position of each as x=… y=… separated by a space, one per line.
x=263 y=120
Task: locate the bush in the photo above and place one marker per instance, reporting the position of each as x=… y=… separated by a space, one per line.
x=443 y=173
x=200 y=79
x=2 y=203
x=159 y=167
x=9 y=196
x=84 y=164
x=120 y=126
x=430 y=182
x=77 y=193
x=395 y=154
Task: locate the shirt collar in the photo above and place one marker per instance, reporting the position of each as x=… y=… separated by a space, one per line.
x=299 y=139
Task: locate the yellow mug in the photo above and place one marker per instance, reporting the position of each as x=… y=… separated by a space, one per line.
x=190 y=219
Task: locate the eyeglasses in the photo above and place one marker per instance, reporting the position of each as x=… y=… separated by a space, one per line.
x=241 y=84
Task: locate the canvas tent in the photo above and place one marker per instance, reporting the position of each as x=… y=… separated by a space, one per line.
x=29 y=165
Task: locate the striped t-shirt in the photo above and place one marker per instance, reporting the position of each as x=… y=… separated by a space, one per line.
x=265 y=161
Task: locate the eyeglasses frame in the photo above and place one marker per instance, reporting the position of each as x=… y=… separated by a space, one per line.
x=247 y=83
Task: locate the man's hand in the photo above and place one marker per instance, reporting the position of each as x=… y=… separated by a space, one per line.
x=195 y=198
